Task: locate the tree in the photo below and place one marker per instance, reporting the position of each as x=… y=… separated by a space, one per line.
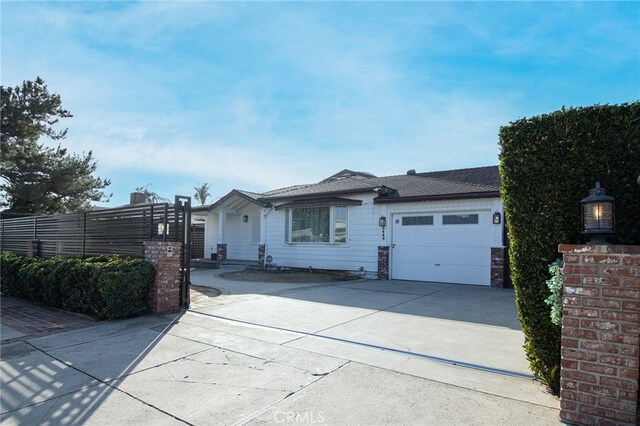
x=38 y=179
x=202 y=193
x=150 y=196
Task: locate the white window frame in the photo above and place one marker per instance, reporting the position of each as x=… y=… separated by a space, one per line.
x=332 y=228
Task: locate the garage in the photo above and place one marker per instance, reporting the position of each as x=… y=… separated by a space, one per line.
x=449 y=247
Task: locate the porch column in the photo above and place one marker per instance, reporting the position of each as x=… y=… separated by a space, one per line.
x=221 y=248
x=222 y=216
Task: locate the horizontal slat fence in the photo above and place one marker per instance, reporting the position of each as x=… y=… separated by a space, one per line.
x=101 y=232
x=197 y=241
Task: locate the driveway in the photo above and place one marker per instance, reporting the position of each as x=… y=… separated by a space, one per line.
x=356 y=352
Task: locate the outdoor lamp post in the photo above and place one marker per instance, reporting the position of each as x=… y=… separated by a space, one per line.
x=597 y=215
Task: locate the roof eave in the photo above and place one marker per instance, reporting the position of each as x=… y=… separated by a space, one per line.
x=437 y=197
x=233 y=192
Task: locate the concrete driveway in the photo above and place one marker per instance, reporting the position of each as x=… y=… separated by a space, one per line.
x=358 y=352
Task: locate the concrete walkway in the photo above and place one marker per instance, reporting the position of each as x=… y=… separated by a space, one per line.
x=348 y=353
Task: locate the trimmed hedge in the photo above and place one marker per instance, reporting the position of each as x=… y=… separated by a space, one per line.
x=548 y=164
x=103 y=287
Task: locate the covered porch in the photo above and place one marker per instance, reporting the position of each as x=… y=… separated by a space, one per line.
x=232 y=227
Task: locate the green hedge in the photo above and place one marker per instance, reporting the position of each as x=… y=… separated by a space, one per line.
x=548 y=164
x=103 y=287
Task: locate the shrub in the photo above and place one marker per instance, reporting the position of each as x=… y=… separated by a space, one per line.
x=104 y=287
x=555 y=285
x=548 y=163
x=10 y=278
x=123 y=286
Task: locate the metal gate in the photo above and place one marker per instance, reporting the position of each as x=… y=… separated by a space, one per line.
x=182 y=223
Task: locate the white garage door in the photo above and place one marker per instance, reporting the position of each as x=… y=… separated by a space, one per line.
x=442 y=247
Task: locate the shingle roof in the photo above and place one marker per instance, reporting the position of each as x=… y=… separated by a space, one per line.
x=463 y=183
x=348 y=173
x=445 y=184
x=489 y=175
x=252 y=197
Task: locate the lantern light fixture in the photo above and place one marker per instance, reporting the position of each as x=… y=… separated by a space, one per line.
x=245 y=218
x=382 y=222
x=163 y=228
x=497 y=218
x=598 y=219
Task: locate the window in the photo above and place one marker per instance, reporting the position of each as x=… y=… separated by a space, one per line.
x=417 y=220
x=324 y=224
x=340 y=225
x=459 y=219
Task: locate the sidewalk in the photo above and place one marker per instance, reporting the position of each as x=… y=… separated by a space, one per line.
x=22 y=320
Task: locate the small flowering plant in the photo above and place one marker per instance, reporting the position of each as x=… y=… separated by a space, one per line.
x=555 y=284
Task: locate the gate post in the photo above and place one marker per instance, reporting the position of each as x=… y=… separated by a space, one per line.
x=164 y=294
x=600 y=334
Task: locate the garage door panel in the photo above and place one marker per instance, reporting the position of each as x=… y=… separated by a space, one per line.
x=458 y=274
x=442 y=253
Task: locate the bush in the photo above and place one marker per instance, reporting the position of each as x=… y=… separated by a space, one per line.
x=123 y=285
x=548 y=163
x=556 y=286
x=104 y=287
x=10 y=278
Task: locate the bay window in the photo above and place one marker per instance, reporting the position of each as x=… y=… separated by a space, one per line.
x=321 y=224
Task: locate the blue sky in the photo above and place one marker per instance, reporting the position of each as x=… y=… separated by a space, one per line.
x=261 y=95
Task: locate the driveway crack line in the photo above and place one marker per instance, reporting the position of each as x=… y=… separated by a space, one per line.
x=381 y=348
x=266 y=408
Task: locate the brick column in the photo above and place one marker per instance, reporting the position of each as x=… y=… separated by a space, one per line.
x=33 y=248
x=262 y=248
x=600 y=334
x=498 y=264
x=383 y=262
x=164 y=294
x=221 y=250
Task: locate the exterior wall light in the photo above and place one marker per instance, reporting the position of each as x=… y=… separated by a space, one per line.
x=245 y=218
x=497 y=218
x=382 y=222
x=597 y=215
x=161 y=228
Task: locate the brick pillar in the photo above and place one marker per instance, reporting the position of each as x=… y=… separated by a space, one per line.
x=498 y=267
x=33 y=248
x=383 y=262
x=262 y=248
x=600 y=334
x=221 y=249
x=164 y=294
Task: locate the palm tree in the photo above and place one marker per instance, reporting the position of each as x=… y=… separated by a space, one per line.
x=202 y=193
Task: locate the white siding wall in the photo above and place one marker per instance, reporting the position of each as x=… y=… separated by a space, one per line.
x=210 y=234
x=364 y=234
x=241 y=238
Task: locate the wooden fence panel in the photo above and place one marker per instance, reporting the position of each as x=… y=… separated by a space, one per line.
x=101 y=232
x=197 y=241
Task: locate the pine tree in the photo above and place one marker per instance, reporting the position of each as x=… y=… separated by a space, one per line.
x=38 y=179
